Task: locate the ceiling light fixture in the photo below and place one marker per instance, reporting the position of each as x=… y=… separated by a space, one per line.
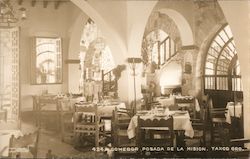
x=8 y=15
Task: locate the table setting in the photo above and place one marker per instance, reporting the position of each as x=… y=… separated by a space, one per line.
x=181 y=120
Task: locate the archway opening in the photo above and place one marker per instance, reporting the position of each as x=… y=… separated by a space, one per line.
x=96 y=62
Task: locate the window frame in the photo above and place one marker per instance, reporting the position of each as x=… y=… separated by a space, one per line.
x=221 y=68
x=33 y=77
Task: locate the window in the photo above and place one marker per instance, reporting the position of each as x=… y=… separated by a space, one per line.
x=220 y=66
x=48 y=60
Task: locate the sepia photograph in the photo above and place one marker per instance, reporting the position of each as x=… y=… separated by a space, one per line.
x=124 y=79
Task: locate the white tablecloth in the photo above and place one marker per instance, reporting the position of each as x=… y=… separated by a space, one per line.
x=165 y=101
x=5 y=136
x=230 y=112
x=107 y=108
x=181 y=122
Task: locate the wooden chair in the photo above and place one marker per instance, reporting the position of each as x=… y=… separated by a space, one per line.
x=199 y=126
x=156 y=132
x=244 y=153
x=120 y=123
x=67 y=126
x=66 y=120
x=218 y=125
x=87 y=125
x=154 y=104
x=48 y=112
x=187 y=104
x=27 y=142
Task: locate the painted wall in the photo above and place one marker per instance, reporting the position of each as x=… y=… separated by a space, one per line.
x=232 y=11
x=46 y=22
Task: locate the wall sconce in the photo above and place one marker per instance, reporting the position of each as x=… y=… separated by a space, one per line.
x=133 y=61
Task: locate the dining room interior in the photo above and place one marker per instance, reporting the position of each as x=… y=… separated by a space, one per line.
x=124 y=79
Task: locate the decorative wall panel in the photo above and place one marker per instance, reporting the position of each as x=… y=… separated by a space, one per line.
x=9 y=72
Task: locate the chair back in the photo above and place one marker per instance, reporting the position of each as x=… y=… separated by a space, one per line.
x=67 y=126
x=65 y=104
x=120 y=123
x=87 y=113
x=87 y=123
x=215 y=112
x=187 y=104
x=163 y=128
x=47 y=109
x=29 y=141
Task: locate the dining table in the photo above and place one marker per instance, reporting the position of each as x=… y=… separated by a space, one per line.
x=181 y=121
x=234 y=110
x=186 y=101
x=105 y=110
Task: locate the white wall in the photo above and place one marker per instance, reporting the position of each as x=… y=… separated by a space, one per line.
x=46 y=22
x=123 y=31
x=237 y=15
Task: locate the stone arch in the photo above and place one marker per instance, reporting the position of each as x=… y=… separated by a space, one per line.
x=184 y=28
x=114 y=41
x=201 y=60
x=166 y=24
x=75 y=37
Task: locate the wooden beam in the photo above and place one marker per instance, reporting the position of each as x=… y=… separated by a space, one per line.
x=20 y=2
x=33 y=3
x=72 y=61
x=45 y=4
x=57 y=3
